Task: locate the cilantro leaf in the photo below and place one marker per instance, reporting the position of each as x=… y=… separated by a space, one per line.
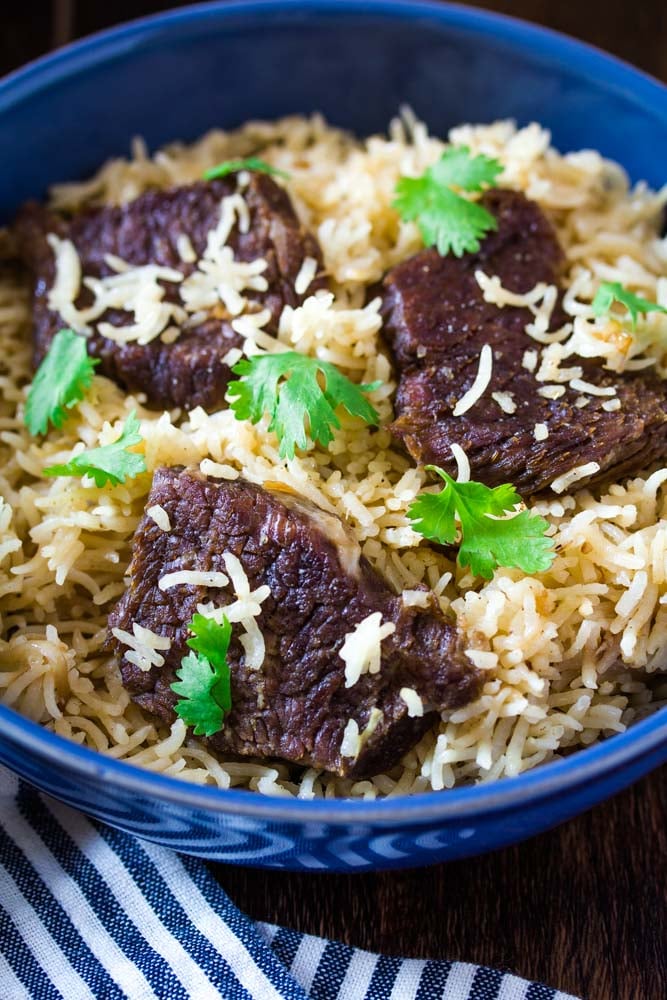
x=210 y=638
x=198 y=706
x=446 y=220
x=204 y=677
x=288 y=387
x=110 y=463
x=458 y=169
x=488 y=537
x=249 y=163
x=613 y=291
x=61 y=381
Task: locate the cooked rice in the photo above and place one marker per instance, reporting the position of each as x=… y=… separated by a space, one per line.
x=362 y=647
x=193 y=578
x=244 y=610
x=480 y=383
x=351 y=742
x=413 y=701
x=160 y=516
x=563 y=483
x=571 y=655
x=462 y=463
x=142 y=646
x=505 y=401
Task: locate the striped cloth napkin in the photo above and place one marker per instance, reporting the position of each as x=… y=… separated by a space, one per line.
x=88 y=912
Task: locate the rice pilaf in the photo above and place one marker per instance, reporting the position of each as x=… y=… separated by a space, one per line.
x=570 y=655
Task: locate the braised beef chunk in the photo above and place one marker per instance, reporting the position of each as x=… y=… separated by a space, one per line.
x=436 y=321
x=295 y=706
x=191 y=371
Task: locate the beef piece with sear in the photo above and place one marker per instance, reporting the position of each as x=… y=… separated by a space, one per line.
x=191 y=371
x=436 y=322
x=295 y=706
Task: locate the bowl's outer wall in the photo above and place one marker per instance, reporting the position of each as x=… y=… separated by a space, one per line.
x=315 y=845
x=177 y=75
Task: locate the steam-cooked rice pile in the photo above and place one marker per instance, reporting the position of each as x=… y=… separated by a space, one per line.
x=572 y=655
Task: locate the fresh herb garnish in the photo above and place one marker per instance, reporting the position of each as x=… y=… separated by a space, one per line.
x=613 y=291
x=489 y=538
x=61 y=381
x=447 y=220
x=293 y=388
x=110 y=463
x=249 y=163
x=204 y=677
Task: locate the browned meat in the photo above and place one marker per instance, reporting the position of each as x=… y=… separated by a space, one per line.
x=296 y=706
x=189 y=372
x=437 y=322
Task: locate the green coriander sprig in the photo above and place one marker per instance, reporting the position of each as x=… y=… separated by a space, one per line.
x=492 y=534
x=111 y=463
x=204 y=677
x=613 y=291
x=252 y=163
x=446 y=219
x=300 y=394
x=61 y=381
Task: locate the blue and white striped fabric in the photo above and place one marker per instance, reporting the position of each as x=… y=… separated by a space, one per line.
x=87 y=912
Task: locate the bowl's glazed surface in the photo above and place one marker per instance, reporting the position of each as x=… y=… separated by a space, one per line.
x=241 y=827
x=174 y=76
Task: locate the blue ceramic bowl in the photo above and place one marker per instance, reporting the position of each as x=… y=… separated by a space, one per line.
x=174 y=76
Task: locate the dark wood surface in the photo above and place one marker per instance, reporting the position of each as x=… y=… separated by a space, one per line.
x=583 y=907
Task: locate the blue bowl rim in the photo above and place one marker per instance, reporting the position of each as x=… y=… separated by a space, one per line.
x=460 y=804
x=579 y=56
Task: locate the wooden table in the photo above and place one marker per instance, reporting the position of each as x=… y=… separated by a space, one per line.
x=582 y=907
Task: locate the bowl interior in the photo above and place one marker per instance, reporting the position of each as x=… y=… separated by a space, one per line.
x=178 y=74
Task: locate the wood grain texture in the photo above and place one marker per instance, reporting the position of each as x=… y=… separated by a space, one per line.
x=583 y=907
x=635 y=30
x=26 y=33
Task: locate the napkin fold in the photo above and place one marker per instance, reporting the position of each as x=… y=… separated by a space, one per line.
x=90 y=913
